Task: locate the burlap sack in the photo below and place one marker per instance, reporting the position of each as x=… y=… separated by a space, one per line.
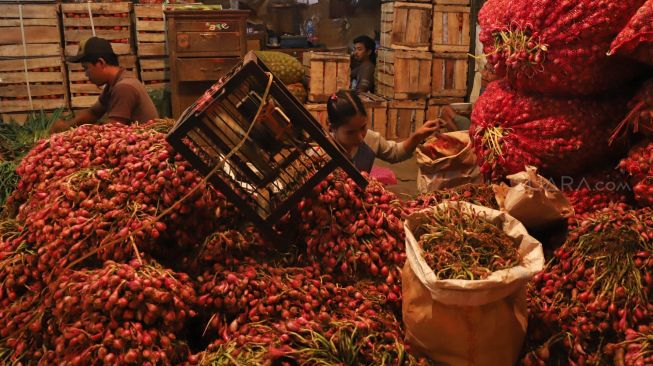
x=533 y=200
x=463 y=323
x=450 y=171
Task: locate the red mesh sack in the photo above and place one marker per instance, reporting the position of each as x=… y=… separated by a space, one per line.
x=639 y=165
x=557 y=48
x=636 y=39
x=596 y=190
x=640 y=117
x=561 y=137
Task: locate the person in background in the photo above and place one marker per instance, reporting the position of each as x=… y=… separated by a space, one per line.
x=457 y=121
x=347 y=121
x=364 y=55
x=124 y=98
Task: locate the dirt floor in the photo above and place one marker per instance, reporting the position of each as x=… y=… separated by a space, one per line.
x=406 y=173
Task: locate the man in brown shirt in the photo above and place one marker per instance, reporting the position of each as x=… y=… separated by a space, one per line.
x=362 y=76
x=124 y=98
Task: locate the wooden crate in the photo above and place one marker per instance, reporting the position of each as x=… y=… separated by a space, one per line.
x=404 y=116
x=40 y=26
x=453 y=2
x=410 y=1
x=376 y=107
x=403 y=74
x=111 y=21
x=449 y=78
x=319 y=111
x=150 y=30
x=155 y=73
x=327 y=72
x=406 y=26
x=47 y=85
x=451 y=29
x=21 y=117
x=83 y=93
x=434 y=106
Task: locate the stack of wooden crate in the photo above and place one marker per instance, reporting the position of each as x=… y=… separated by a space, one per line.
x=31 y=70
x=111 y=21
x=450 y=43
x=422 y=62
x=151 y=46
x=325 y=74
x=404 y=65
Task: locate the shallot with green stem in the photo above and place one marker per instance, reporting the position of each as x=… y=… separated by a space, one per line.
x=465 y=245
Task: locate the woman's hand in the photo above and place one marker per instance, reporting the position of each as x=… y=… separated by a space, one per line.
x=427 y=129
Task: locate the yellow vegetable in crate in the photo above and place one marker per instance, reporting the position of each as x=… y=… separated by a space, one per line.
x=287 y=68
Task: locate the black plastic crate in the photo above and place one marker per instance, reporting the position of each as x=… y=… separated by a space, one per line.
x=286 y=152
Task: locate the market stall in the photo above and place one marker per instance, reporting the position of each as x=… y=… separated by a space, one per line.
x=239 y=229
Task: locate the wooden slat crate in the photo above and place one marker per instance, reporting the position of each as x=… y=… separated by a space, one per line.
x=319 y=111
x=403 y=74
x=453 y=2
x=150 y=30
x=83 y=93
x=47 y=85
x=40 y=26
x=376 y=107
x=155 y=73
x=21 y=117
x=410 y=1
x=406 y=26
x=327 y=72
x=449 y=78
x=451 y=29
x=111 y=21
x=434 y=106
x=404 y=116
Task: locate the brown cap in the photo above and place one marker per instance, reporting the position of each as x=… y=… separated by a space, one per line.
x=91 y=49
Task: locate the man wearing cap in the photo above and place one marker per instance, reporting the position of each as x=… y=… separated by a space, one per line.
x=124 y=98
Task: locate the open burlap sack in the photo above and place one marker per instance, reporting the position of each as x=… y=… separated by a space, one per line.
x=460 y=322
x=450 y=170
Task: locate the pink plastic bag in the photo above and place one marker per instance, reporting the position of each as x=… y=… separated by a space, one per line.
x=384 y=175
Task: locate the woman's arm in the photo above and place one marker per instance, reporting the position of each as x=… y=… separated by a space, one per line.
x=427 y=129
x=395 y=152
